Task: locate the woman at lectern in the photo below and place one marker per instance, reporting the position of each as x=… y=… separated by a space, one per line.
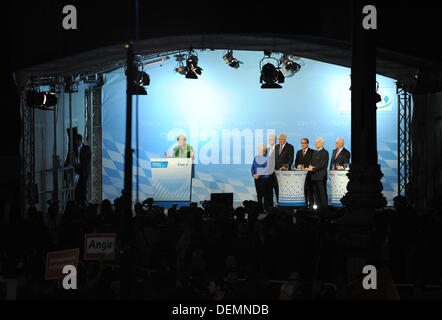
x=261 y=172
x=182 y=150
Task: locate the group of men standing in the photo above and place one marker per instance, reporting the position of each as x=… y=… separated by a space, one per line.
x=282 y=157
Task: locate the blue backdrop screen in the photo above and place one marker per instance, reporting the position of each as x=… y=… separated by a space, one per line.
x=225 y=114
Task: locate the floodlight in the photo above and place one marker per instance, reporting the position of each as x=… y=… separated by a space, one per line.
x=41 y=100
x=231 y=60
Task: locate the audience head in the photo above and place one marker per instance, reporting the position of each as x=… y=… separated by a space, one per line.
x=138 y=208
x=399 y=202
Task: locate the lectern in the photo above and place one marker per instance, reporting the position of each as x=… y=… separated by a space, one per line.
x=171 y=179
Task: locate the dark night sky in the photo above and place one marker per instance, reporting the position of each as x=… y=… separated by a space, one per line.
x=37 y=35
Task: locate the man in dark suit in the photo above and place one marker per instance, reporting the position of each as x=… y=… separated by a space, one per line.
x=318 y=168
x=340 y=156
x=303 y=160
x=284 y=156
x=82 y=168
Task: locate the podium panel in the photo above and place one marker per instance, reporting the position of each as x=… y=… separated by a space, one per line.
x=291 y=187
x=171 y=179
x=338 y=183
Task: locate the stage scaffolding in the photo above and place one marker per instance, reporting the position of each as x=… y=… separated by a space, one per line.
x=27 y=169
x=62 y=189
x=404 y=137
x=93 y=136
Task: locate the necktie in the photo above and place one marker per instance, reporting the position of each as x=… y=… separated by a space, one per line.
x=337 y=153
x=304 y=152
x=280 y=150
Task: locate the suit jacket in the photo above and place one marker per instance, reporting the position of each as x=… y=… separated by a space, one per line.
x=320 y=164
x=271 y=159
x=343 y=158
x=286 y=157
x=83 y=167
x=304 y=160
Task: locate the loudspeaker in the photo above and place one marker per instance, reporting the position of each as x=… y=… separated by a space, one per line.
x=224 y=199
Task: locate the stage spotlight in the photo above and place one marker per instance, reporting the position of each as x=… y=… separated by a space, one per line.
x=139 y=91
x=270 y=75
x=41 y=100
x=231 y=60
x=290 y=67
x=192 y=67
x=181 y=69
x=141 y=79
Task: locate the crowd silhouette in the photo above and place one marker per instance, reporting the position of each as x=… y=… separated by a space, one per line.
x=215 y=252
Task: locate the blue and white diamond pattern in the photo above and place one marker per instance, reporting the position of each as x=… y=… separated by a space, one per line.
x=228 y=178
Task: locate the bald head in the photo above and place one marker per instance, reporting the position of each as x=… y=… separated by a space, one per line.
x=319 y=143
x=339 y=143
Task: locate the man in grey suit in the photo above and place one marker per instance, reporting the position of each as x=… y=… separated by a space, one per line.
x=318 y=168
x=271 y=153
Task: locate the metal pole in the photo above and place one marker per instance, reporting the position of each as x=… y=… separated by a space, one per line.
x=137 y=24
x=127 y=192
x=71 y=141
x=138 y=163
x=128 y=149
x=23 y=199
x=55 y=165
x=399 y=164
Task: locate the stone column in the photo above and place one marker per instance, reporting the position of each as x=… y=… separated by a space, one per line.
x=364 y=187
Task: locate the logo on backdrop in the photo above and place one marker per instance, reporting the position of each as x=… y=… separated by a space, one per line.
x=388 y=96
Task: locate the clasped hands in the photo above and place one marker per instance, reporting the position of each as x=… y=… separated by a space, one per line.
x=301 y=167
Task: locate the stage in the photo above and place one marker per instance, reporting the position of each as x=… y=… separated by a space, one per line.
x=225 y=114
